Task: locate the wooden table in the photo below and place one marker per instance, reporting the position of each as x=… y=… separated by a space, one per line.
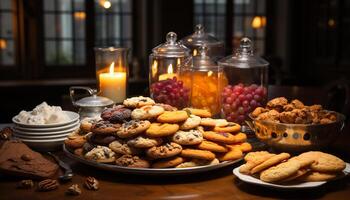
x=219 y=184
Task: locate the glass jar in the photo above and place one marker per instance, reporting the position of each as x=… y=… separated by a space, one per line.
x=216 y=49
x=112 y=72
x=208 y=80
x=247 y=83
x=168 y=64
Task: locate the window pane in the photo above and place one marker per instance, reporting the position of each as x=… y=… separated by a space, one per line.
x=79 y=5
x=198 y=6
x=248 y=32
x=80 y=52
x=8 y=53
x=249 y=6
x=221 y=6
x=79 y=27
x=7 y=34
x=50 y=52
x=65 y=52
x=261 y=7
x=49 y=5
x=64 y=5
x=6 y=24
x=50 y=31
x=5 y=4
x=209 y=6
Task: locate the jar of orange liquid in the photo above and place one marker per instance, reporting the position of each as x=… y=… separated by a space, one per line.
x=208 y=80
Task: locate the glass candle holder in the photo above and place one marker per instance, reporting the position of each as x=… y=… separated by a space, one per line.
x=112 y=72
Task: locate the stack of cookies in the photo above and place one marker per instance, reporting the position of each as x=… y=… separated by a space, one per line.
x=142 y=133
x=282 y=168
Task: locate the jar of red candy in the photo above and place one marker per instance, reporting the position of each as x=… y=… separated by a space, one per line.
x=168 y=64
x=247 y=83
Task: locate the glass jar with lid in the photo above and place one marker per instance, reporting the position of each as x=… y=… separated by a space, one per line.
x=168 y=62
x=208 y=80
x=247 y=82
x=216 y=49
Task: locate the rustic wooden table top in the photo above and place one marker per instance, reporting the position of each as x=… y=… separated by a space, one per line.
x=218 y=184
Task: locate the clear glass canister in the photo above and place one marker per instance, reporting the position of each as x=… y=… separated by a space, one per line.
x=247 y=82
x=208 y=80
x=216 y=49
x=168 y=64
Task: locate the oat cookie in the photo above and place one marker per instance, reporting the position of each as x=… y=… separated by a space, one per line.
x=225 y=138
x=208 y=122
x=324 y=162
x=232 y=154
x=164 y=151
x=173 y=116
x=121 y=147
x=105 y=128
x=147 y=112
x=161 y=130
x=191 y=137
x=132 y=161
x=198 y=154
x=168 y=162
x=280 y=171
x=274 y=160
x=212 y=146
x=199 y=112
x=230 y=128
x=144 y=142
x=133 y=128
x=192 y=122
x=101 y=154
x=137 y=102
x=116 y=114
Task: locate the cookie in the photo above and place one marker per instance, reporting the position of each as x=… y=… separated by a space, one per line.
x=324 y=162
x=169 y=162
x=133 y=128
x=164 y=151
x=147 y=112
x=173 y=116
x=137 y=102
x=304 y=161
x=280 y=171
x=244 y=147
x=191 y=137
x=198 y=154
x=199 y=112
x=121 y=147
x=274 y=160
x=192 y=122
x=230 y=128
x=103 y=140
x=221 y=123
x=144 y=142
x=232 y=154
x=79 y=152
x=225 y=138
x=105 y=128
x=208 y=122
x=166 y=107
x=240 y=137
x=75 y=142
x=212 y=146
x=116 y=114
x=87 y=122
x=101 y=154
x=257 y=156
x=132 y=161
x=161 y=130
x=299 y=173
x=196 y=162
x=317 y=176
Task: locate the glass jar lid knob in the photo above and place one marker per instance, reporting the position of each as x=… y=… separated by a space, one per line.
x=245 y=48
x=171 y=38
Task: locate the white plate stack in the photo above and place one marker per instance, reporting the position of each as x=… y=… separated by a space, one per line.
x=46 y=137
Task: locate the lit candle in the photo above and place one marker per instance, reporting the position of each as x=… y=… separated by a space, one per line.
x=170 y=73
x=113 y=84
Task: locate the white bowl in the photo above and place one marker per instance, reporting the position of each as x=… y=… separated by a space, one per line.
x=72 y=116
x=39 y=138
x=49 y=145
x=58 y=128
x=30 y=133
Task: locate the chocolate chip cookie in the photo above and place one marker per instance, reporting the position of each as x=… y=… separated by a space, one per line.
x=133 y=128
x=117 y=114
x=105 y=128
x=132 y=161
x=191 y=137
x=164 y=151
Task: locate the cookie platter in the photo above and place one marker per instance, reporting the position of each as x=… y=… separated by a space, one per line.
x=149 y=171
x=143 y=137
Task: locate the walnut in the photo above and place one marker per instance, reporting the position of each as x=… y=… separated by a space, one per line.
x=25 y=184
x=6 y=133
x=73 y=190
x=47 y=185
x=91 y=183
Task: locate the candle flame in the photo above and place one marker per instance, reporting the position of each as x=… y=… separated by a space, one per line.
x=170 y=69
x=258 y=22
x=111 y=68
x=154 y=68
x=194 y=52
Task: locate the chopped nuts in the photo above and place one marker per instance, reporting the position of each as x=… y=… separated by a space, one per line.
x=47 y=185
x=91 y=183
x=6 y=133
x=25 y=184
x=74 y=190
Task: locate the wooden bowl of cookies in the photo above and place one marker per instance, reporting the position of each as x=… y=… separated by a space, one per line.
x=294 y=127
